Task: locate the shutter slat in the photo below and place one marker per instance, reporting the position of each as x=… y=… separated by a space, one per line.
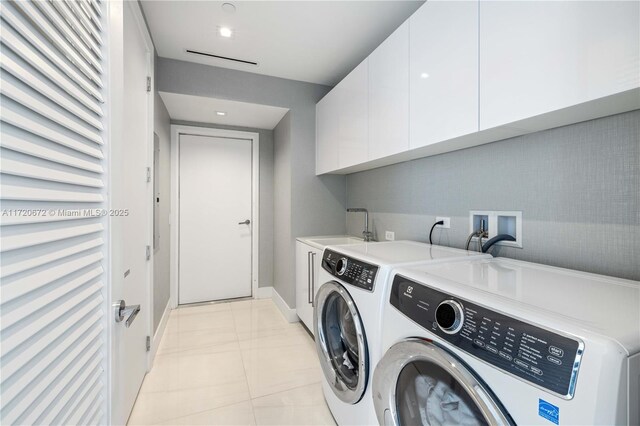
x=83 y=384
x=11 y=90
x=91 y=12
x=63 y=28
x=20 y=287
x=29 y=307
x=21 y=394
x=39 y=333
x=86 y=408
x=18 y=71
x=97 y=416
x=34 y=262
x=18 y=168
x=28 y=147
x=60 y=43
x=43 y=46
x=53 y=303
x=63 y=9
x=21 y=120
x=87 y=25
x=30 y=239
x=54 y=74
x=61 y=395
x=95 y=7
x=60 y=214
x=13 y=192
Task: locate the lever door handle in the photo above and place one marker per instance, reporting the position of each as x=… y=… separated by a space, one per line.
x=122 y=311
x=246 y=222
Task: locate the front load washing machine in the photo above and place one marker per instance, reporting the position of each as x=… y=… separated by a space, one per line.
x=499 y=341
x=348 y=315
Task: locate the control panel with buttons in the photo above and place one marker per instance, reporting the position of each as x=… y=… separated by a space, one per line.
x=542 y=357
x=349 y=270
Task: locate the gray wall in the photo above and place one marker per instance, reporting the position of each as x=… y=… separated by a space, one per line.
x=282 y=211
x=303 y=203
x=265 y=263
x=578 y=188
x=161 y=291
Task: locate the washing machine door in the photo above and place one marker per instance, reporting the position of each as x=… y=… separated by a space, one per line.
x=341 y=342
x=420 y=383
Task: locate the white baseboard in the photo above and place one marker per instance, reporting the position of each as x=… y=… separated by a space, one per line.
x=289 y=314
x=264 y=293
x=157 y=337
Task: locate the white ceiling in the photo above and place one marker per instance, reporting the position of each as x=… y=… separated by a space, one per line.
x=314 y=41
x=203 y=110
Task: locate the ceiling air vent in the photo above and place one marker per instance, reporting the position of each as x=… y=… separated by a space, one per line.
x=211 y=55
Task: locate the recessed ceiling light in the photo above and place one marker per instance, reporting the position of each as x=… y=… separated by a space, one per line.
x=221 y=113
x=226 y=32
x=424 y=75
x=229 y=7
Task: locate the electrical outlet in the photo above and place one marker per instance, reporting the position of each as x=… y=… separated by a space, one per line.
x=389 y=235
x=446 y=220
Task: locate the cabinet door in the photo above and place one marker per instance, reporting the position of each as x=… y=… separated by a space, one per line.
x=303 y=284
x=537 y=57
x=389 y=95
x=327 y=133
x=443 y=82
x=353 y=117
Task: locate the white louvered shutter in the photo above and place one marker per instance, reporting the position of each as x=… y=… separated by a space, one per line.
x=53 y=339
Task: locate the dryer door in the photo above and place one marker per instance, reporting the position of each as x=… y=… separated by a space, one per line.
x=420 y=383
x=340 y=342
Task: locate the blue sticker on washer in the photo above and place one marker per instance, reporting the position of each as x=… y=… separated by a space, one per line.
x=548 y=411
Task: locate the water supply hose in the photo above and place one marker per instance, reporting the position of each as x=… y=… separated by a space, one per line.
x=497 y=238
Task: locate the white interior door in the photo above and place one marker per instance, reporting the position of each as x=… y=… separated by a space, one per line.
x=131 y=220
x=215 y=218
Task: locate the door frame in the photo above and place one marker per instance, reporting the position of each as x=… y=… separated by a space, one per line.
x=115 y=97
x=174 y=215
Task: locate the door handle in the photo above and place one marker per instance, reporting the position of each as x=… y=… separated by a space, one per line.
x=313 y=278
x=309 y=272
x=246 y=222
x=122 y=311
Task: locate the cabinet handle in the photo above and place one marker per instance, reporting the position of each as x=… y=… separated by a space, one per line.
x=309 y=274
x=313 y=278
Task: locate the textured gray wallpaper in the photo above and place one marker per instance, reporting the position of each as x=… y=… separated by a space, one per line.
x=578 y=188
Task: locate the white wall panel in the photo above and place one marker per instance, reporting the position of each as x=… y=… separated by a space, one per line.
x=52 y=233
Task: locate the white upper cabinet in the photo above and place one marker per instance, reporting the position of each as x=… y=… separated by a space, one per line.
x=389 y=95
x=443 y=71
x=353 y=123
x=327 y=133
x=538 y=57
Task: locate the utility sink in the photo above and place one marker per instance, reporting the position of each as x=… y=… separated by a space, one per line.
x=323 y=241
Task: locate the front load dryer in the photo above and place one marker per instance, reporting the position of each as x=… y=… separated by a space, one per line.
x=348 y=315
x=499 y=341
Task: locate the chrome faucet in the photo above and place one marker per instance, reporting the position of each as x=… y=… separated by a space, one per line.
x=365 y=234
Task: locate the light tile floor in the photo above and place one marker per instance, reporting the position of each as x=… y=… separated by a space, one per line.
x=235 y=363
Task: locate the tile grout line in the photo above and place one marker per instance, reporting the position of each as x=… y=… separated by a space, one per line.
x=244 y=368
x=286 y=390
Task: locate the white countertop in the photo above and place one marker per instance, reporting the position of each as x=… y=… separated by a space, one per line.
x=322 y=241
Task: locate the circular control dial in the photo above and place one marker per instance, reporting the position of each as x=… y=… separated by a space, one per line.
x=449 y=316
x=341 y=266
